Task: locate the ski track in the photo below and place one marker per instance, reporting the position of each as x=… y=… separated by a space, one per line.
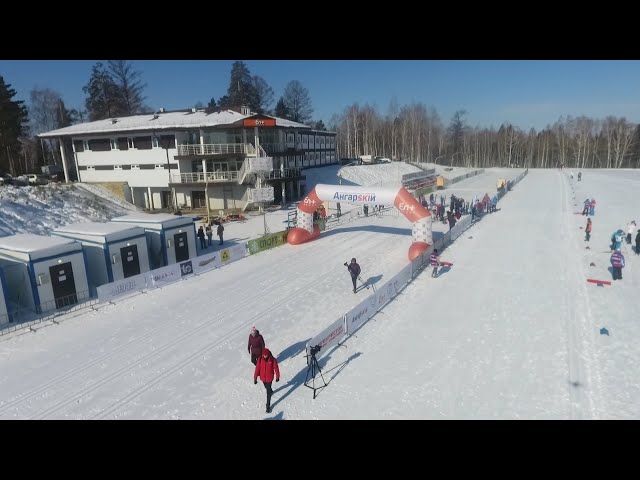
x=76 y=375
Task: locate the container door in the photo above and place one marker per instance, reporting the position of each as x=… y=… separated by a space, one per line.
x=64 y=286
x=181 y=246
x=130 y=261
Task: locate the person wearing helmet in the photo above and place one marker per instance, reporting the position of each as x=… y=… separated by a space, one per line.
x=616 y=240
x=354 y=271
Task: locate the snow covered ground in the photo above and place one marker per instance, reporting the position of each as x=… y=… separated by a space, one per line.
x=510 y=331
x=42 y=208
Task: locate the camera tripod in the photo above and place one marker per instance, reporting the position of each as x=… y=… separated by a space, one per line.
x=311 y=369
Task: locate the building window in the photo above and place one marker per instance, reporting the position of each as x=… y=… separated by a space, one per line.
x=130 y=142
x=123 y=144
x=100 y=145
x=114 y=143
x=78 y=146
x=142 y=143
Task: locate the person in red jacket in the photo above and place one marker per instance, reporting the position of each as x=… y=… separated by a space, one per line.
x=255 y=345
x=587 y=230
x=266 y=369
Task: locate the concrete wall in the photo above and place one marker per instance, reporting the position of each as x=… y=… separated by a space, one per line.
x=97 y=273
x=18 y=284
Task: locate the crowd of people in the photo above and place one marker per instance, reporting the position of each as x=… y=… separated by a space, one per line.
x=457 y=207
x=205 y=234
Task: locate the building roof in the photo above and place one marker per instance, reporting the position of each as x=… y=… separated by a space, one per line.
x=28 y=242
x=96 y=228
x=151 y=218
x=161 y=121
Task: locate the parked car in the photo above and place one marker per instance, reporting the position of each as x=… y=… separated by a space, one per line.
x=36 y=179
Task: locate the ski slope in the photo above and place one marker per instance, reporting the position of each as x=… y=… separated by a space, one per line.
x=510 y=331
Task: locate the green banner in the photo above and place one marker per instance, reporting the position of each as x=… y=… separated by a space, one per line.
x=267 y=242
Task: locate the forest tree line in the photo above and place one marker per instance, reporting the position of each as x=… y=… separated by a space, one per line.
x=416 y=133
x=413 y=133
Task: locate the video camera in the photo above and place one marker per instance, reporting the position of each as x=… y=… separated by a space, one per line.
x=314 y=350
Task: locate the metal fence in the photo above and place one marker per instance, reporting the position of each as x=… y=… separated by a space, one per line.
x=25 y=317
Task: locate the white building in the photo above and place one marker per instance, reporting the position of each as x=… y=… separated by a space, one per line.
x=43 y=273
x=4 y=311
x=181 y=159
x=112 y=251
x=170 y=238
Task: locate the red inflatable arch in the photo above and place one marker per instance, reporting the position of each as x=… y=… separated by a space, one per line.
x=419 y=216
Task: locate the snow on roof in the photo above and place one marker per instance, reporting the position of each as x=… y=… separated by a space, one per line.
x=163 y=121
x=95 y=228
x=28 y=242
x=150 y=218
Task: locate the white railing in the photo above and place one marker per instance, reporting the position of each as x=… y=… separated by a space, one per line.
x=217 y=148
x=200 y=177
x=287 y=173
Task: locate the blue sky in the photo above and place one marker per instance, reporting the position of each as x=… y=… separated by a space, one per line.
x=526 y=93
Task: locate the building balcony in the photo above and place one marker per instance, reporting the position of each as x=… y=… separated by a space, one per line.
x=286 y=173
x=216 y=149
x=209 y=177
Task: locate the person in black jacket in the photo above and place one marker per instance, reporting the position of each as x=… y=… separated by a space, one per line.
x=638 y=243
x=200 y=234
x=354 y=271
x=220 y=231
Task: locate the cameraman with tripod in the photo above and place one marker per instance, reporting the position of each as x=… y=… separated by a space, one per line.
x=354 y=270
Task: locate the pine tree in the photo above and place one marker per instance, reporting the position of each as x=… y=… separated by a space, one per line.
x=13 y=126
x=319 y=125
x=212 y=103
x=241 y=90
x=129 y=86
x=103 y=97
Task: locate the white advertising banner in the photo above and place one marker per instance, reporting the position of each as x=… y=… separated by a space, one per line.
x=128 y=285
x=233 y=253
x=357 y=195
x=261 y=164
x=264 y=194
x=329 y=337
x=359 y=315
x=163 y=276
x=380 y=297
x=238 y=251
x=400 y=280
x=206 y=262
